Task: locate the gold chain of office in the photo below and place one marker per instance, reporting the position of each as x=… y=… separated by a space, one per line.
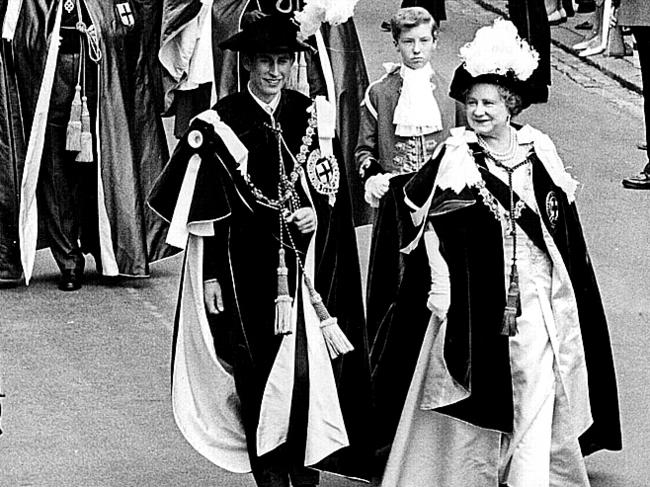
x=287 y=183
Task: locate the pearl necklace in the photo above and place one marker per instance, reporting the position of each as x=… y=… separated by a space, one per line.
x=502 y=157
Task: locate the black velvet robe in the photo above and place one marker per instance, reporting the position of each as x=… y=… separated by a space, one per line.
x=475 y=352
x=243 y=255
x=132 y=139
x=12 y=153
x=529 y=16
x=397 y=315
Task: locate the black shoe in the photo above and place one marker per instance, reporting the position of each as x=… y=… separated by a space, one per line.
x=385 y=26
x=586 y=7
x=70 y=280
x=586 y=25
x=8 y=282
x=638 y=181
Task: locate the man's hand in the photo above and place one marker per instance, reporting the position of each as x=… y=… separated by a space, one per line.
x=212 y=297
x=304 y=219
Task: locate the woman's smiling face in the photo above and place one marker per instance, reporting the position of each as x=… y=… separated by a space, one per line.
x=486 y=110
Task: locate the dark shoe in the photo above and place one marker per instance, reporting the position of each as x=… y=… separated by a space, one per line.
x=557 y=17
x=638 y=181
x=385 y=26
x=586 y=25
x=70 y=280
x=586 y=7
x=8 y=282
x=642 y=146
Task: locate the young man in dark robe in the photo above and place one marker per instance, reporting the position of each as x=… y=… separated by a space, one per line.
x=335 y=69
x=271 y=290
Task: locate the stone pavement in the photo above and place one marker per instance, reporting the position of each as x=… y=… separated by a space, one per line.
x=625 y=71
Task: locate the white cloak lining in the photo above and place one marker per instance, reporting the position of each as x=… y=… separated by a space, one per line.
x=205 y=402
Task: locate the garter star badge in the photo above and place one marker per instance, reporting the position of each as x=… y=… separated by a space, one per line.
x=552 y=209
x=324 y=174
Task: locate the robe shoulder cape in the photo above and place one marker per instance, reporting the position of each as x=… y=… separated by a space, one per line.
x=132 y=146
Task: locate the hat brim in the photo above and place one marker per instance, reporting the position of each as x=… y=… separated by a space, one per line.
x=270 y=34
x=463 y=81
x=243 y=43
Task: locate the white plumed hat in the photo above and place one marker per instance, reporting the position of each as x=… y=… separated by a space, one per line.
x=496 y=55
x=315 y=12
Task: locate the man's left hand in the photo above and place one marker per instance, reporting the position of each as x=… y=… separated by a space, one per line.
x=304 y=219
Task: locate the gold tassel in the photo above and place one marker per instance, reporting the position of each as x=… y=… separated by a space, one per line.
x=283 y=302
x=86 y=150
x=335 y=340
x=513 y=305
x=73 y=132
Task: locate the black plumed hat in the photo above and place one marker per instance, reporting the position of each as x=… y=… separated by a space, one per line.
x=529 y=91
x=273 y=33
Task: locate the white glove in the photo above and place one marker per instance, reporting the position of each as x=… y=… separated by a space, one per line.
x=375 y=188
x=439 y=291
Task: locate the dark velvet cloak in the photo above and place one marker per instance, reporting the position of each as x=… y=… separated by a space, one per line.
x=475 y=351
x=397 y=316
x=131 y=135
x=244 y=255
x=531 y=20
x=12 y=153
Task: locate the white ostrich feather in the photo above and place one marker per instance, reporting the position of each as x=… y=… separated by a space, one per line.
x=315 y=12
x=498 y=49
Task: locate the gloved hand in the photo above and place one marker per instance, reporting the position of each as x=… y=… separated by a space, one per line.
x=375 y=188
x=438 y=303
x=439 y=290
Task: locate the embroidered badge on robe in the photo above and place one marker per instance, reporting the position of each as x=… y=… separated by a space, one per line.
x=324 y=174
x=125 y=13
x=552 y=209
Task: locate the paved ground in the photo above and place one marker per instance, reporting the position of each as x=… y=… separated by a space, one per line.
x=625 y=70
x=87 y=373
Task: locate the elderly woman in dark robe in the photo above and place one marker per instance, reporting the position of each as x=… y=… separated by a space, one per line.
x=515 y=379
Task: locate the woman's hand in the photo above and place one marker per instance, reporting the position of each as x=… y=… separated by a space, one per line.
x=304 y=219
x=212 y=297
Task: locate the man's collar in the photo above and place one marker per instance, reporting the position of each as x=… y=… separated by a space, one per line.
x=267 y=107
